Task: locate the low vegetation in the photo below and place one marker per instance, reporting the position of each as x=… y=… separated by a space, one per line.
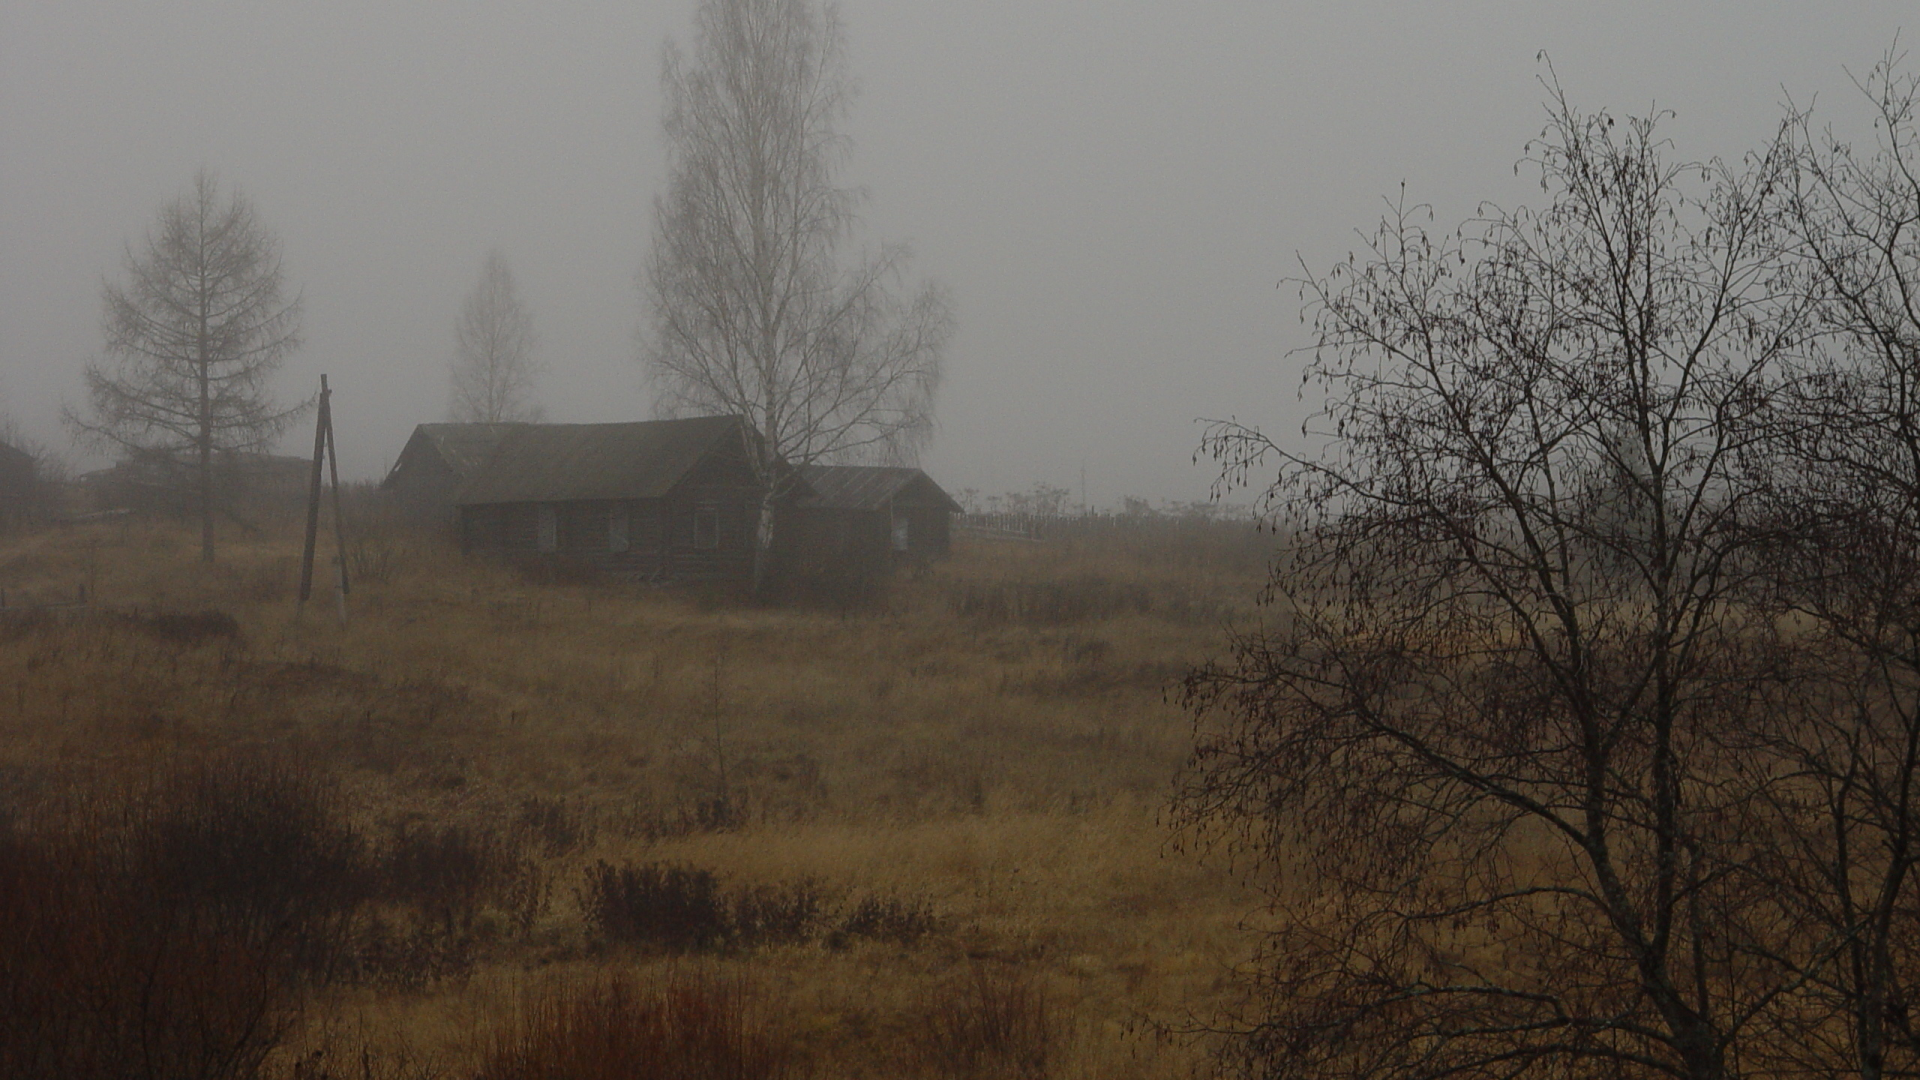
x=501 y=826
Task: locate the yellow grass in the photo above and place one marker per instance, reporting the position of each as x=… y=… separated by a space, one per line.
x=1007 y=774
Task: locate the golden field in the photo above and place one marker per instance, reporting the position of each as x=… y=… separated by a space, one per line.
x=978 y=762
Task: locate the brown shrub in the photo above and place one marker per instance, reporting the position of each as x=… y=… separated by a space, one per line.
x=433 y=884
x=677 y=908
x=885 y=919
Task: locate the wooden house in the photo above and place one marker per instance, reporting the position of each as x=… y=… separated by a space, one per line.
x=436 y=463
x=660 y=498
x=19 y=486
x=863 y=520
x=168 y=482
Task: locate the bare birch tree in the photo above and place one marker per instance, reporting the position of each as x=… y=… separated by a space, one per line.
x=755 y=309
x=192 y=339
x=493 y=366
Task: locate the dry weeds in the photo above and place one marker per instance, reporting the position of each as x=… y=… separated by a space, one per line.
x=980 y=759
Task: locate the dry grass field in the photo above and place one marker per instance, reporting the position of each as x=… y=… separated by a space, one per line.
x=557 y=819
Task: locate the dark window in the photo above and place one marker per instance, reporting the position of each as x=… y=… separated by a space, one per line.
x=706 y=526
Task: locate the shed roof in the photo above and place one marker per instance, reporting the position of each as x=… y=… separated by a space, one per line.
x=869 y=487
x=566 y=462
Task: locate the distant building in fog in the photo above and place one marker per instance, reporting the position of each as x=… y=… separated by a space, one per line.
x=663 y=499
x=653 y=498
x=436 y=462
x=170 y=482
x=19 y=486
x=864 y=519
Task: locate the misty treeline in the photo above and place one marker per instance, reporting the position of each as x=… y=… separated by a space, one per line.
x=756 y=307
x=1584 y=737
x=1045 y=500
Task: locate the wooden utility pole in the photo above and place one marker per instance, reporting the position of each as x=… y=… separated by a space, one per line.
x=323 y=451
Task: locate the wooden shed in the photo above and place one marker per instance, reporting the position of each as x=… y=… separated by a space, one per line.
x=863 y=520
x=660 y=498
x=19 y=486
x=436 y=462
x=168 y=482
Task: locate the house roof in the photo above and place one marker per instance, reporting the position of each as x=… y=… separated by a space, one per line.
x=869 y=487
x=15 y=462
x=464 y=447
x=566 y=462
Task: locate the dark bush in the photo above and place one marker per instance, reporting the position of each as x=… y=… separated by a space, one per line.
x=684 y=909
x=677 y=908
x=411 y=955
x=106 y=973
x=446 y=873
x=555 y=824
x=257 y=849
x=433 y=885
x=777 y=914
x=885 y=919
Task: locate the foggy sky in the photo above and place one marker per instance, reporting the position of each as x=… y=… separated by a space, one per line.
x=1112 y=191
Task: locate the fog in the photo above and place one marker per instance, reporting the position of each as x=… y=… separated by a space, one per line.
x=1113 y=192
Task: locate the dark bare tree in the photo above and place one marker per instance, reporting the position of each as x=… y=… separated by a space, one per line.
x=192 y=339
x=1503 y=740
x=493 y=366
x=755 y=308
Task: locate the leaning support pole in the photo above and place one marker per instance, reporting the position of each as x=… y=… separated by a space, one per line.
x=339 y=529
x=313 y=496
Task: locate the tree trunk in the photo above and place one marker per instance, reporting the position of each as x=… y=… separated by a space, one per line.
x=763 y=545
x=205 y=441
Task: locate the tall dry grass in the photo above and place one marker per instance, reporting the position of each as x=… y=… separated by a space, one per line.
x=687 y=1027
x=883 y=799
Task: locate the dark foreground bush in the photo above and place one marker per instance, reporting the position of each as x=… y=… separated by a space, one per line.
x=95 y=983
x=257 y=849
x=170 y=932
x=688 y=1029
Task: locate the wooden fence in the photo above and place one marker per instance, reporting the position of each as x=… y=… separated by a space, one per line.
x=1041 y=527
